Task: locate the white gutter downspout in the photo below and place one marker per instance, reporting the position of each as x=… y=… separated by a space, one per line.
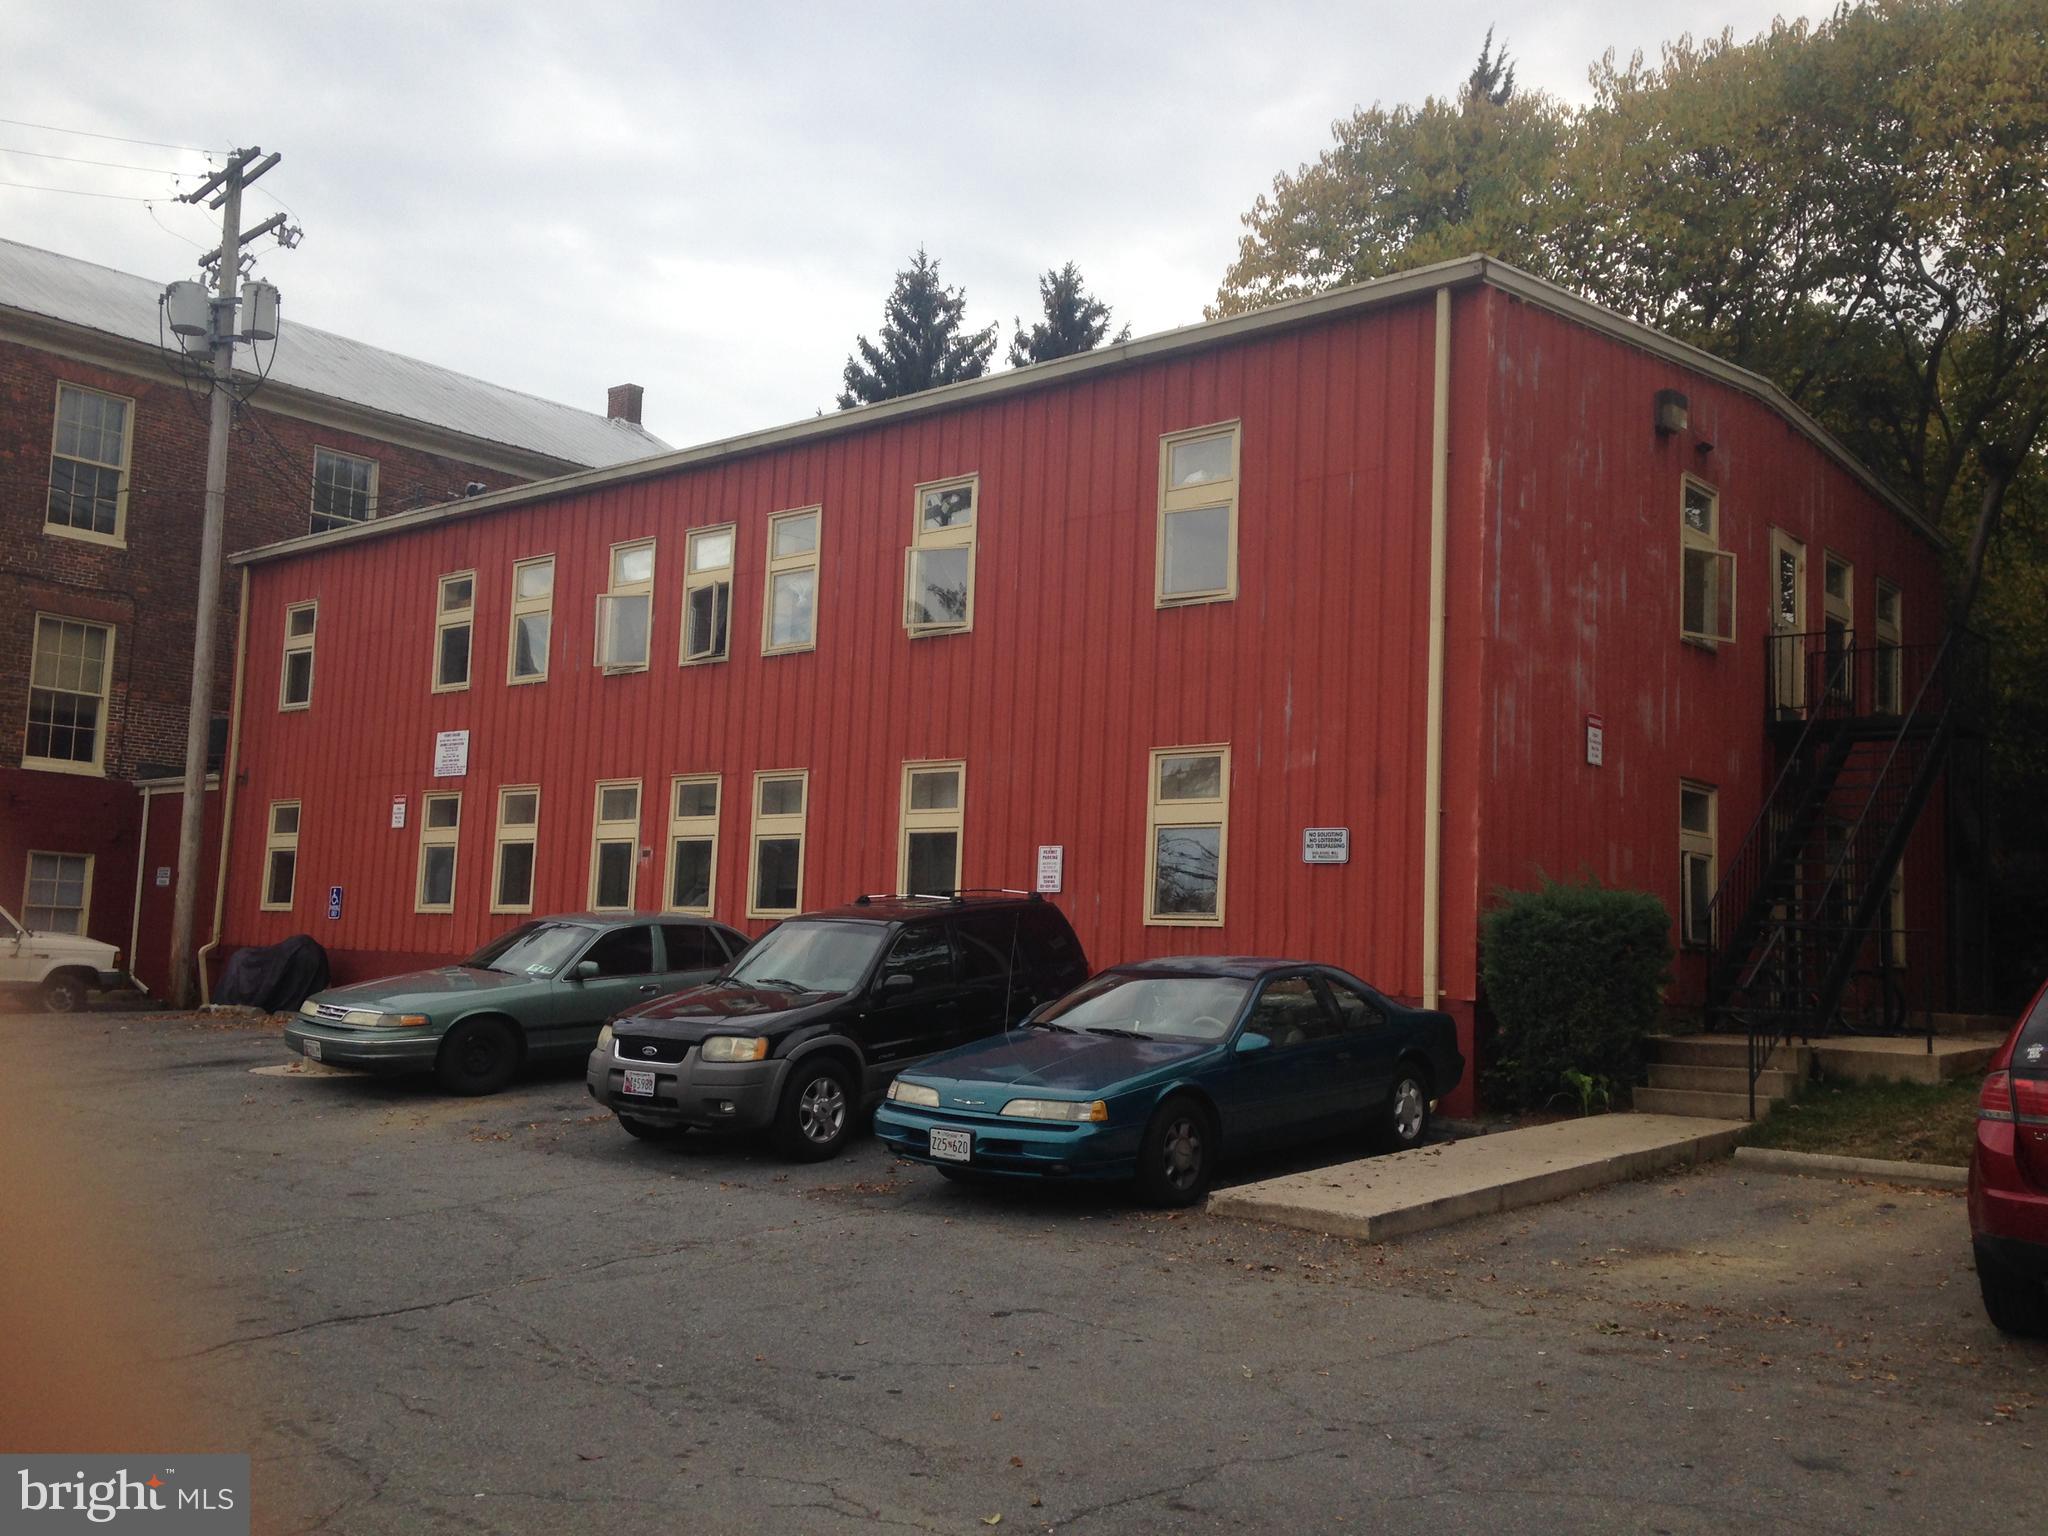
x=1433 y=761
x=227 y=788
x=135 y=914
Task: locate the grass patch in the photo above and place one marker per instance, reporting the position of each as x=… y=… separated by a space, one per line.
x=1903 y=1122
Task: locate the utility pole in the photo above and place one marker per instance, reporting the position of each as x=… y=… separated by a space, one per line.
x=225 y=187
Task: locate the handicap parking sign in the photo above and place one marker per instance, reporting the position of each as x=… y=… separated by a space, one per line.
x=333 y=902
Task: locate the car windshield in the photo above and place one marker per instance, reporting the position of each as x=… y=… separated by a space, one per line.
x=1159 y=1007
x=810 y=957
x=531 y=949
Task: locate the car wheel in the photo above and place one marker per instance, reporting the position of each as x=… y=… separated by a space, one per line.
x=1177 y=1157
x=817 y=1112
x=2016 y=1304
x=1403 y=1120
x=478 y=1056
x=64 y=994
x=649 y=1130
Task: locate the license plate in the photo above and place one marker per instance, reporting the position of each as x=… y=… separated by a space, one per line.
x=311 y=1048
x=641 y=1083
x=953 y=1146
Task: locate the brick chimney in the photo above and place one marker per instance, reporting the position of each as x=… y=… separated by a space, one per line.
x=622 y=403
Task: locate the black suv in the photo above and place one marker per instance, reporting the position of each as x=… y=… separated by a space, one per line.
x=806 y=1029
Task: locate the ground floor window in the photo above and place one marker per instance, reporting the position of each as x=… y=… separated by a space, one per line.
x=934 y=800
x=693 y=843
x=1697 y=864
x=440 y=827
x=1187 y=835
x=775 y=882
x=281 y=856
x=59 y=894
x=518 y=829
x=615 y=846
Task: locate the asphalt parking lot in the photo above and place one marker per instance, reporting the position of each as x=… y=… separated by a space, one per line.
x=425 y=1314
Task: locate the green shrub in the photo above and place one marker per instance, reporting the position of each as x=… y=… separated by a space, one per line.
x=1573 y=975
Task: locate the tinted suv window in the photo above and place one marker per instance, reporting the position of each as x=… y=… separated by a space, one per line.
x=987 y=940
x=624 y=952
x=1290 y=1013
x=691 y=947
x=1046 y=944
x=923 y=954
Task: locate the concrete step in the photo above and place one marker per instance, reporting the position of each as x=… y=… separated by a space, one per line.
x=1724 y=1051
x=1969 y=1024
x=1697 y=1105
x=1735 y=1079
x=1906 y=1059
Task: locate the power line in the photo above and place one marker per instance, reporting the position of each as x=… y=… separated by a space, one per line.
x=112 y=165
x=116 y=197
x=111 y=138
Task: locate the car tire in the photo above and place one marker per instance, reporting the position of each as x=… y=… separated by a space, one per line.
x=1402 y=1122
x=648 y=1130
x=1177 y=1154
x=64 y=994
x=2016 y=1304
x=478 y=1056
x=818 y=1110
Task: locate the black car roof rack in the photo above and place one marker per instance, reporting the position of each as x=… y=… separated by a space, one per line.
x=952 y=898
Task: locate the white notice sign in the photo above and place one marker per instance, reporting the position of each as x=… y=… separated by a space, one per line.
x=1326 y=845
x=1052 y=866
x=163 y=874
x=1596 y=740
x=398 y=810
x=451 y=754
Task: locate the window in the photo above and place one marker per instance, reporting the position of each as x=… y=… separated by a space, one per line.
x=707 y=593
x=453 y=609
x=1888 y=678
x=89 y=466
x=1355 y=1011
x=928 y=858
x=281 y=856
x=69 y=675
x=440 y=824
x=1707 y=571
x=625 y=613
x=1895 y=916
x=938 y=568
x=518 y=831
x=1697 y=872
x=533 y=618
x=693 y=843
x=691 y=947
x=344 y=490
x=59 y=892
x=1289 y=1012
x=1838 y=625
x=1186 y=833
x=615 y=846
x=1198 y=482
x=295 y=676
x=775 y=882
x=791 y=622
x=924 y=954
x=624 y=951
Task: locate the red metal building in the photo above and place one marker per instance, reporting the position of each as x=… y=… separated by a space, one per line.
x=1285 y=631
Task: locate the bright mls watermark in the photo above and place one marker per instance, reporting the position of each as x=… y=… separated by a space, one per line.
x=169 y=1495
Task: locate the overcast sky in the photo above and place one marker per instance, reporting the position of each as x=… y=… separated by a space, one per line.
x=712 y=201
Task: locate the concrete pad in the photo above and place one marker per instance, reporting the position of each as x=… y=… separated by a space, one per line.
x=1832 y=1165
x=1377 y=1198
x=1906 y=1058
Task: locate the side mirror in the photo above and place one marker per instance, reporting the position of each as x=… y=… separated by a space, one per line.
x=1252 y=1041
x=583 y=970
x=898 y=981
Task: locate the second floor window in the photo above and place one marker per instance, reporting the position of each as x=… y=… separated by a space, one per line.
x=454 y=609
x=1707 y=575
x=938 y=568
x=1198 y=477
x=791 y=622
x=625 y=613
x=344 y=490
x=69 y=673
x=707 y=594
x=89 y=465
x=533 y=617
x=295 y=678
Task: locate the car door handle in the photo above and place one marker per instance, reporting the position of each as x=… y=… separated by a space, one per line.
x=650 y=986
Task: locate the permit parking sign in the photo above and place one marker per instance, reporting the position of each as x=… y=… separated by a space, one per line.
x=333 y=903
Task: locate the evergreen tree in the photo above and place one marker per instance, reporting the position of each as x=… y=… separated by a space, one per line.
x=1075 y=321
x=921 y=344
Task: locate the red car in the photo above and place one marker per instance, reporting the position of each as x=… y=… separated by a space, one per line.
x=2009 y=1179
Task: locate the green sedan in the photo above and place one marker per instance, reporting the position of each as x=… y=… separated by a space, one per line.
x=538 y=993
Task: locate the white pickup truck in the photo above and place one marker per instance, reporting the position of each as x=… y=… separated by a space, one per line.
x=60 y=970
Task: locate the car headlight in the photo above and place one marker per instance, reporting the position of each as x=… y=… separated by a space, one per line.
x=307 y=1010
x=913 y=1093
x=735 y=1048
x=1073 y=1111
x=399 y=1021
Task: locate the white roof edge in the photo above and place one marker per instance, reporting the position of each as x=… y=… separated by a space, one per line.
x=1461 y=271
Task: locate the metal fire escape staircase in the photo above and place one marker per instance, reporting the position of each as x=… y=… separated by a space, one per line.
x=1864 y=734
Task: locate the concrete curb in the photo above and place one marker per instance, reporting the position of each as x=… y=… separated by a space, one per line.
x=1827 y=1165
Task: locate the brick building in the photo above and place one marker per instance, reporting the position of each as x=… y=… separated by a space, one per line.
x=102 y=480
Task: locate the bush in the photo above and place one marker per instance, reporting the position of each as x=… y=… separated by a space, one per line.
x=1573 y=975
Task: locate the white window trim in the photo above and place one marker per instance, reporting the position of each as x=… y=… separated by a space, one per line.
x=1191 y=498
x=953 y=821
x=695 y=580
x=28 y=872
x=97 y=768
x=764 y=827
x=274 y=842
x=526 y=608
x=1690 y=538
x=1895 y=913
x=313 y=496
x=294 y=643
x=432 y=836
x=1697 y=845
x=694 y=829
x=445 y=619
x=1889 y=633
x=507 y=835
x=616 y=589
x=118 y=539
x=1186 y=813
x=967 y=537
x=810 y=560
x=602 y=831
